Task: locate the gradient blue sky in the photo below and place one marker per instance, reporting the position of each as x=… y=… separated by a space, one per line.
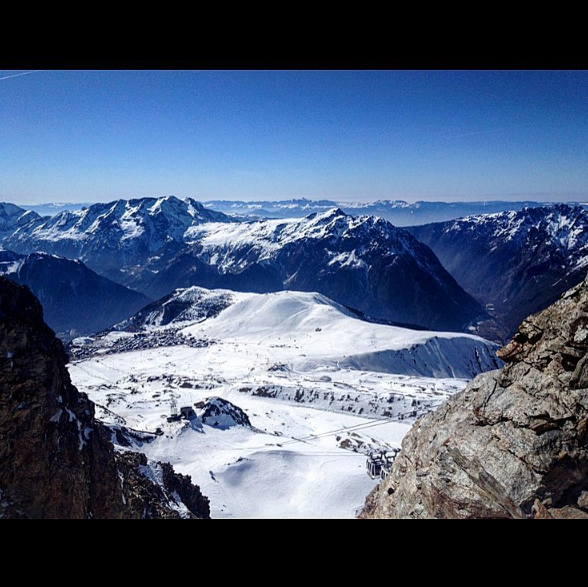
x=73 y=136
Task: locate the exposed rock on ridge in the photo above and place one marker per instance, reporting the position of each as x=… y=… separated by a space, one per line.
x=514 y=444
x=56 y=459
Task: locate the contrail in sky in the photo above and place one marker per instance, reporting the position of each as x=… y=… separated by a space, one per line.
x=19 y=74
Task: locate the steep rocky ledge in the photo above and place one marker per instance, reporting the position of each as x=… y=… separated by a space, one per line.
x=514 y=444
x=56 y=460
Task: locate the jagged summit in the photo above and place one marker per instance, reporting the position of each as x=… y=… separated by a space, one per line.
x=109 y=236
x=513 y=445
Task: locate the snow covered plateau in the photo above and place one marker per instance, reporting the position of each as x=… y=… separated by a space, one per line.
x=279 y=397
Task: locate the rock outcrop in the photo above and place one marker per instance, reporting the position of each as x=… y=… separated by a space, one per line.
x=221 y=413
x=514 y=444
x=56 y=459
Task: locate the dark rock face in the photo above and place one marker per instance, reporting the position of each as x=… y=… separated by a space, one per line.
x=56 y=459
x=220 y=413
x=76 y=301
x=520 y=262
x=515 y=443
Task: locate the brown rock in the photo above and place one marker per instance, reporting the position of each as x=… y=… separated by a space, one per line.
x=583 y=501
x=56 y=459
x=513 y=444
x=510 y=351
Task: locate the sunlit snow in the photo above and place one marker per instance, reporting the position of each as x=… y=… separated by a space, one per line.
x=321 y=389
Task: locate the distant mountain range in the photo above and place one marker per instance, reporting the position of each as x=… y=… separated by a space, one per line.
x=517 y=262
x=398 y=212
x=513 y=263
x=156 y=246
x=75 y=300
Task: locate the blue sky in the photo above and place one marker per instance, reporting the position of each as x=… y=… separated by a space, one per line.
x=347 y=135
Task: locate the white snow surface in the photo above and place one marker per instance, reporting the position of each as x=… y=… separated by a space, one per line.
x=263 y=239
x=152 y=220
x=321 y=388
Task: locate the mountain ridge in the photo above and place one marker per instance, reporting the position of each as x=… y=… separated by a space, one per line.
x=519 y=262
x=76 y=300
x=399 y=212
x=361 y=262
x=156 y=246
x=108 y=237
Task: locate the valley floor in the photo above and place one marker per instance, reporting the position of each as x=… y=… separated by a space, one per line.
x=321 y=390
x=296 y=460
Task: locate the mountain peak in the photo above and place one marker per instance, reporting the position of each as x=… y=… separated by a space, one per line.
x=518 y=262
x=104 y=235
x=329 y=215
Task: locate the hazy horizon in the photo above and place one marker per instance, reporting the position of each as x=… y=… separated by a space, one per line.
x=512 y=200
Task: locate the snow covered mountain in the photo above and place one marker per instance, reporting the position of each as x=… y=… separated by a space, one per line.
x=519 y=262
x=398 y=212
x=361 y=262
x=184 y=305
x=75 y=300
x=12 y=218
x=282 y=394
x=116 y=236
x=320 y=325
x=156 y=246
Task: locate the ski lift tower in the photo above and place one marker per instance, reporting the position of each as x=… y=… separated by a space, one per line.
x=175 y=415
x=174 y=407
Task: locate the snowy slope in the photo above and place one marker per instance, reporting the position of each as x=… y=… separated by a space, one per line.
x=320 y=387
x=320 y=329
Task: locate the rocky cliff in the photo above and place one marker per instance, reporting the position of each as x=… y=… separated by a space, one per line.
x=514 y=444
x=56 y=459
